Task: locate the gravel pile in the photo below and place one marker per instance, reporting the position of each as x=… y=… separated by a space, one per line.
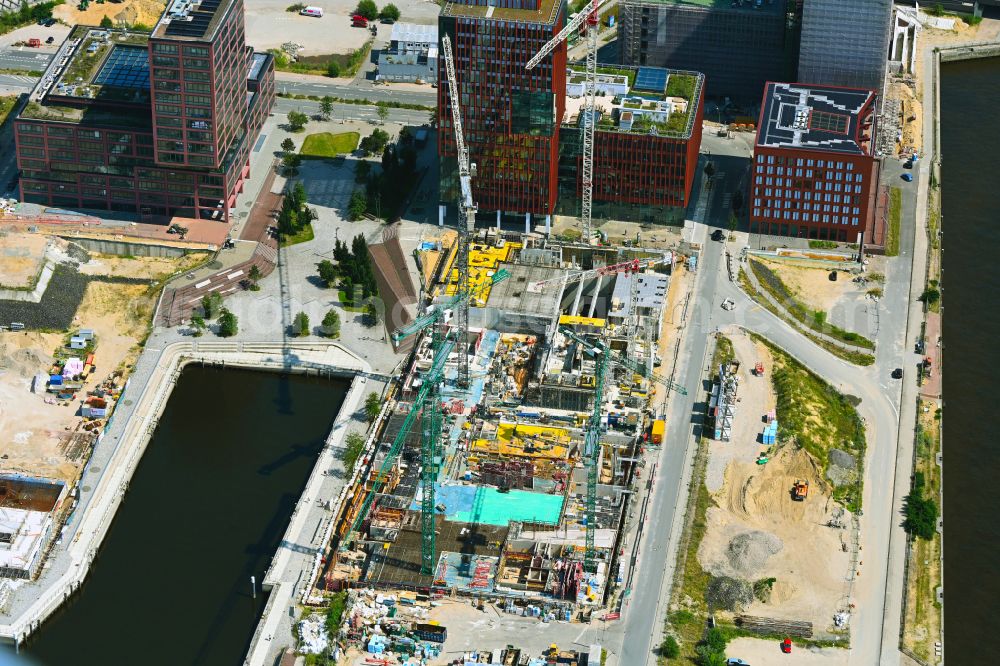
x=731 y=594
x=749 y=552
x=842 y=467
x=58 y=305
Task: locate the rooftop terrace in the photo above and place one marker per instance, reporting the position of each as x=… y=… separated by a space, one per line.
x=546 y=14
x=830 y=119
x=191 y=20
x=642 y=100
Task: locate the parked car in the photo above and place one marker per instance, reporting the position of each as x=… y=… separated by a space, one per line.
x=49 y=22
x=908 y=164
x=717 y=235
x=897 y=373
x=50 y=39
x=908 y=177
x=733 y=661
x=786 y=646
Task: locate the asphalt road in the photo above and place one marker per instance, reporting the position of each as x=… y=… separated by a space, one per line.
x=29 y=59
x=358 y=90
x=350 y=111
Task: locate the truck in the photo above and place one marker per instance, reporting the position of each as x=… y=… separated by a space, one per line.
x=800 y=490
x=34 y=42
x=359 y=21
x=659 y=427
x=312 y=11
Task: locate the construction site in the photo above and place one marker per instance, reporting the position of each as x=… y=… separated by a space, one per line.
x=503 y=468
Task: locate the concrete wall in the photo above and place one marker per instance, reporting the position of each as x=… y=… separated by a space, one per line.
x=125 y=248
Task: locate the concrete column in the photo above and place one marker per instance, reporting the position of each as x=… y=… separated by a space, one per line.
x=895 y=38
x=527 y=223
x=498 y=222
x=548 y=225
x=441 y=212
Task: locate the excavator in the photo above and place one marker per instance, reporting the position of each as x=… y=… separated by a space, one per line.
x=800 y=490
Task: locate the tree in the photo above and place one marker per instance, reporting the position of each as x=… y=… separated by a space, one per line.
x=333 y=69
x=211 y=304
x=358 y=206
x=255 y=277
x=292 y=162
x=354 y=446
x=228 y=324
x=331 y=324
x=371 y=315
x=930 y=296
x=326 y=107
x=383 y=112
x=297 y=120
x=373 y=405
x=300 y=325
x=368 y=9
x=389 y=13
x=288 y=145
x=107 y=22
x=375 y=142
x=361 y=170
x=669 y=648
x=921 y=512
x=198 y=325
x=327 y=272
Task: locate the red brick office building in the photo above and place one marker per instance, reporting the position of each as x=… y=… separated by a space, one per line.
x=814 y=171
x=509 y=114
x=152 y=126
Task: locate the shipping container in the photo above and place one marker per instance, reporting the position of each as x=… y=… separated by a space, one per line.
x=659 y=427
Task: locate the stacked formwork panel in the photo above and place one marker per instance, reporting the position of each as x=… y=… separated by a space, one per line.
x=722 y=406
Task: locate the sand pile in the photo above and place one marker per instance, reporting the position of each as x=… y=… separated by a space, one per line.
x=25 y=362
x=748 y=552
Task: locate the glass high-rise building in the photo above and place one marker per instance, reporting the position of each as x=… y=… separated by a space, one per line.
x=845 y=43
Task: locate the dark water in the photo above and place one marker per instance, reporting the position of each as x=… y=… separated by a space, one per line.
x=970 y=100
x=206 y=509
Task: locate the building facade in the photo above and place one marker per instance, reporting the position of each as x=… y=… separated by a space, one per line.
x=149 y=126
x=509 y=114
x=845 y=43
x=738 y=44
x=645 y=145
x=411 y=55
x=814 y=173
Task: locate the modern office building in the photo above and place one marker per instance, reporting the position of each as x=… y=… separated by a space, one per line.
x=645 y=144
x=411 y=55
x=149 y=125
x=814 y=173
x=509 y=114
x=738 y=44
x=845 y=43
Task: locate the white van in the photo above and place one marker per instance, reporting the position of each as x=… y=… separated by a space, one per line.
x=312 y=11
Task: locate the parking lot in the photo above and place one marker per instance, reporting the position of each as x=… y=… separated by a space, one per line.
x=269 y=25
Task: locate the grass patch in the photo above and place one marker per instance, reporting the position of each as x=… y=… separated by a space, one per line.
x=327 y=144
x=342 y=298
x=332 y=65
x=922 y=619
x=822 y=245
x=301 y=236
x=895 y=215
x=361 y=102
x=7 y=104
x=855 y=357
x=817 y=417
x=812 y=319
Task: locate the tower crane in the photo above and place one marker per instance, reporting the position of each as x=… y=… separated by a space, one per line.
x=595 y=428
x=466 y=215
x=585 y=21
x=631 y=266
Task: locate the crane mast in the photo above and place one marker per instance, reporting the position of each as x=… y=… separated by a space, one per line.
x=588 y=21
x=466 y=216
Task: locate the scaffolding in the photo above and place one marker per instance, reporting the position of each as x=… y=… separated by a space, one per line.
x=723 y=402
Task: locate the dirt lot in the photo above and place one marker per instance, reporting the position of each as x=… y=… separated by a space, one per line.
x=762 y=653
x=130 y=12
x=813 y=287
x=34 y=434
x=755 y=530
x=21 y=258
x=156 y=268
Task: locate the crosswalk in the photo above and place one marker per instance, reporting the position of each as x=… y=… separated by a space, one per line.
x=10 y=79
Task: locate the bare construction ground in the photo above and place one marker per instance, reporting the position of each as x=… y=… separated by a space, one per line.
x=39 y=435
x=21 y=257
x=755 y=530
x=756 y=651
